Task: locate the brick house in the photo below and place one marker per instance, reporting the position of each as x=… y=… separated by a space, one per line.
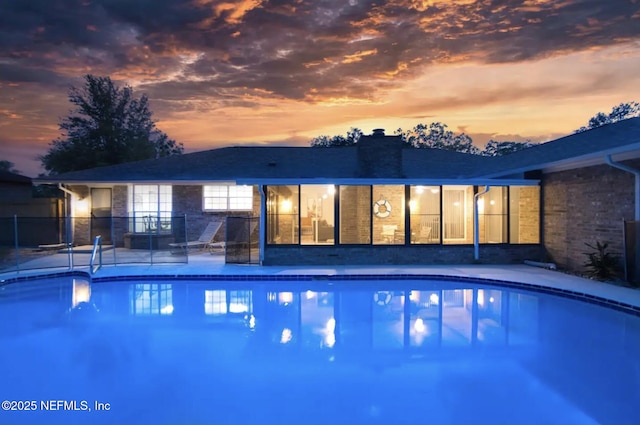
x=380 y=202
x=39 y=218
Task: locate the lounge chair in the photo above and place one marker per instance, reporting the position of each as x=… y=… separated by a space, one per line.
x=236 y=235
x=203 y=241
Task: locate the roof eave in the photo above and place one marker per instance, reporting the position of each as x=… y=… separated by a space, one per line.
x=591 y=159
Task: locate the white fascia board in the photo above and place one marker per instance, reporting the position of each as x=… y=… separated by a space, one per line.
x=355 y=182
x=368 y=182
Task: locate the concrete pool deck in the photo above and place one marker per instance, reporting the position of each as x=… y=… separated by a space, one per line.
x=208 y=265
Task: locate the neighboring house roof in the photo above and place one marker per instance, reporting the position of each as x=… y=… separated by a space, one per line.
x=250 y=165
x=7 y=177
x=621 y=139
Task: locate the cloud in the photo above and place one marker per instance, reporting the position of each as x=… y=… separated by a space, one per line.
x=290 y=48
x=230 y=57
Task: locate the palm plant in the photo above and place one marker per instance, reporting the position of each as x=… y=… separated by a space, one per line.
x=601 y=263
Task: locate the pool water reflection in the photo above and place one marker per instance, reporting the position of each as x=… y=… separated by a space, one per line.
x=315 y=352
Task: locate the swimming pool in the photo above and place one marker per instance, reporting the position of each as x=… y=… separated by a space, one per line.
x=311 y=350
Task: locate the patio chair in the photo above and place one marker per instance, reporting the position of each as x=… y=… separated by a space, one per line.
x=205 y=239
x=236 y=235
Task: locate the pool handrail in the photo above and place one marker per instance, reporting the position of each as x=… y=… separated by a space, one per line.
x=97 y=249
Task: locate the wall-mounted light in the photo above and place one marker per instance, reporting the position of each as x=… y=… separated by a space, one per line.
x=480 y=206
x=331 y=189
x=286 y=206
x=419 y=189
x=413 y=205
x=80 y=206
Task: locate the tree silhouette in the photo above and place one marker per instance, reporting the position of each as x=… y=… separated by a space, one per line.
x=107 y=126
x=353 y=135
x=495 y=148
x=620 y=112
x=436 y=135
x=8 y=166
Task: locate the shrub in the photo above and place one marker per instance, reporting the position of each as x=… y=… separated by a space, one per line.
x=601 y=264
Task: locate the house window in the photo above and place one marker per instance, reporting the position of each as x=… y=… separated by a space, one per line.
x=524 y=214
x=227 y=198
x=457 y=214
x=283 y=206
x=388 y=210
x=492 y=216
x=424 y=207
x=150 y=208
x=317 y=214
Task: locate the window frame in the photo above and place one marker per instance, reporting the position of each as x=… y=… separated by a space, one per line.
x=227 y=197
x=156 y=220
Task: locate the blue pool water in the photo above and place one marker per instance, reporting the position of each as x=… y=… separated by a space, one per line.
x=313 y=352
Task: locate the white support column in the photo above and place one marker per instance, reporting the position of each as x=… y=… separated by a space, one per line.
x=263 y=222
x=476 y=227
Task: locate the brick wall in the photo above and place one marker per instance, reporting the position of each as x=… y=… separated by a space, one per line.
x=529 y=215
x=355 y=214
x=396 y=254
x=119 y=211
x=394 y=195
x=584 y=206
x=187 y=199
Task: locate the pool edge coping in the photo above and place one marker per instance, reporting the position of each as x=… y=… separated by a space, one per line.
x=545 y=289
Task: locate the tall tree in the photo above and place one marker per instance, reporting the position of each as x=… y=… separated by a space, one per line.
x=495 y=148
x=353 y=135
x=107 y=126
x=8 y=166
x=618 y=113
x=436 y=135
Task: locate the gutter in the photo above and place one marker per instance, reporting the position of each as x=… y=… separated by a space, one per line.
x=476 y=230
x=634 y=171
x=65 y=190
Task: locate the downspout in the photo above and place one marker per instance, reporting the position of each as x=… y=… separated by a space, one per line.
x=68 y=223
x=634 y=171
x=65 y=190
x=476 y=228
x=263 y=222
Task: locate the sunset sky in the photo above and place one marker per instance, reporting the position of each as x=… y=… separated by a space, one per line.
x=221 y=73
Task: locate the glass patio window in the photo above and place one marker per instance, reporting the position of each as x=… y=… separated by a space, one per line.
x=524 y=214
x=457 y=214
x=317 y=214
x=227 y=198
x=150 y=208
x=424 y=207
x=388 y=214
x=283 y=206
x=492 y=216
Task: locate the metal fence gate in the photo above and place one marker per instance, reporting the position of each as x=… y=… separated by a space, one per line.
x=632 y=251
x=242 y=237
